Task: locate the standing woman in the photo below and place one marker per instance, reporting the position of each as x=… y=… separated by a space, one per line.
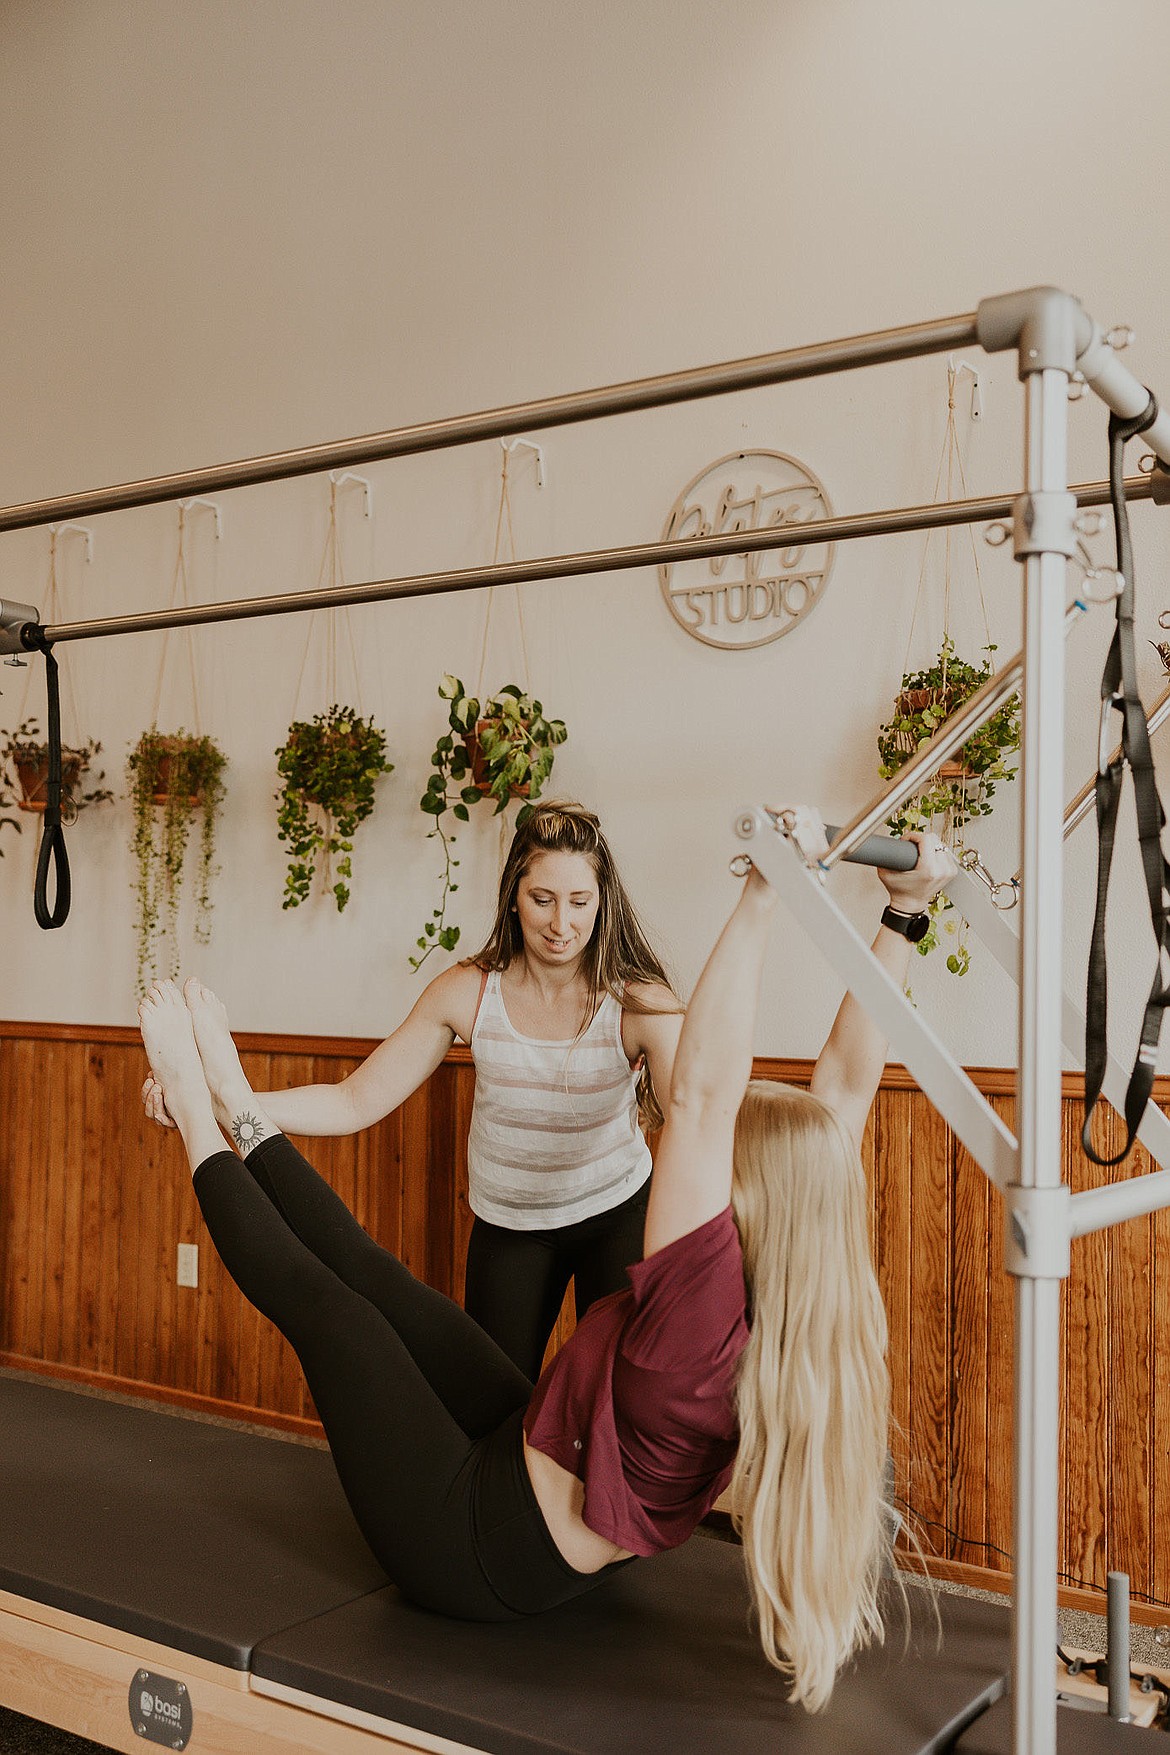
x=573 y=1027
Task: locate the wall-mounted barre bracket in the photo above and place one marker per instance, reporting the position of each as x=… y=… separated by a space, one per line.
x=1160 y=483
x=14 y=618
x=938 y=1074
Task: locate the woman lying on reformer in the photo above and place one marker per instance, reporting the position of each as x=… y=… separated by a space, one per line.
x=749 y=1347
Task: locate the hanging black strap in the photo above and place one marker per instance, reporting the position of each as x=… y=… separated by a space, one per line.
x=52 y=849
x=1119 y=694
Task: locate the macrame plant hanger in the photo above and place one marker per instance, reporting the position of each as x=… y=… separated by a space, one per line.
x=331 y=573
x=950 y=466
x=181 y=598
x=504 y=523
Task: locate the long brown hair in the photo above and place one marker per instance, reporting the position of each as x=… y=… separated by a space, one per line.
x=618 y=951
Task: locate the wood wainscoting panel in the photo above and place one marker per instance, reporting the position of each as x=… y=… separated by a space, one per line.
x=94 y=1201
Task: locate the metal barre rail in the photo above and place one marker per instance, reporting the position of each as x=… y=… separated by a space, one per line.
x=845 y=528
x=876 y=348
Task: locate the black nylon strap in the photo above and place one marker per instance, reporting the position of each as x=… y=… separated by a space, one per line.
x=1119 y=693
x=52 y=849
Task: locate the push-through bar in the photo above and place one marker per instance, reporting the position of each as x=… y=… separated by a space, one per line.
x=876 y=348
x=895 y=522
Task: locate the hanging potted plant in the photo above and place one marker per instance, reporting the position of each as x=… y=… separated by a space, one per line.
x=964 y=786
x=501 y=748
x=26 y=757
x=329 y=767
x=175 y=780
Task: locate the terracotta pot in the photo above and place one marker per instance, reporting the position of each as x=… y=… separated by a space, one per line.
x=916 y=701
x=955 y=770
x=479 y=770
x=32 y=770
x=163 y=778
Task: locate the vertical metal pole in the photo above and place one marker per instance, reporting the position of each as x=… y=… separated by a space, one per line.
x=1037 y=1300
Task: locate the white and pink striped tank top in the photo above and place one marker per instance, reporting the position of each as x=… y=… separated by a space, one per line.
x=554 y=1134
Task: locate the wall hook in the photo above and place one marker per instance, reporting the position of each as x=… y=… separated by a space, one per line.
x=958 y=366
x=513 y=445
x=339 y=480
x=208 y=505
x=59 y=530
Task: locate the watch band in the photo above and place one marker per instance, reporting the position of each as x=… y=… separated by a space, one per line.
x=912 y=926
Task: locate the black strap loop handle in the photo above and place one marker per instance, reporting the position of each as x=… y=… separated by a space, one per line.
x=52 y=849
x=1119 y=693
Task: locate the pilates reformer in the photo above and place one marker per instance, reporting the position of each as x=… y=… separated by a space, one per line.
x=208 y=1584
x=1056 y=342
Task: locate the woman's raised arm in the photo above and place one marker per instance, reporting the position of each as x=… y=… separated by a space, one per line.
x=692 y=1167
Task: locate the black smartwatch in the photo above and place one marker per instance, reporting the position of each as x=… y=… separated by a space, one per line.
x=911 y=926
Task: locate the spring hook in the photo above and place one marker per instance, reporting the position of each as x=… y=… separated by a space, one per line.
x=1005 y=895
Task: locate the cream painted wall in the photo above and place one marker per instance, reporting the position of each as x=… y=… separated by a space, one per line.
x=238 y=228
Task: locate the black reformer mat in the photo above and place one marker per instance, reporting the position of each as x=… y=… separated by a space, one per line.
x=239 y=1549
x=1077 y=1733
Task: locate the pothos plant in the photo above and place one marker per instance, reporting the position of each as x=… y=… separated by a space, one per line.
x=6 y=821
x=964 y=786
x=501 y=747
x=25 y=755
x=176 y=781
x=329 y=766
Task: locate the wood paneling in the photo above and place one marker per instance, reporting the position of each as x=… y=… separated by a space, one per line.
x=94 y=1201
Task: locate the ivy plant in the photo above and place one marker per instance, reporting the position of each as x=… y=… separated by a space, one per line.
x=964 y=787
x=501 y=747
x=329 y=766
x=176 y=780
x=25 y=755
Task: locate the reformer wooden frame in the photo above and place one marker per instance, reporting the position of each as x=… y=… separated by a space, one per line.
x=1055 y=341
x=47 y=1652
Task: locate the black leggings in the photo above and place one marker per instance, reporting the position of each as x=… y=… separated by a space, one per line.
x=422 y=1410
x=516 y=1280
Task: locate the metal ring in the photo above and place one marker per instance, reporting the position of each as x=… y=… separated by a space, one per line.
x=740 y=865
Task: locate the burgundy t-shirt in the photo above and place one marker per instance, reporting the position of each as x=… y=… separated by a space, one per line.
x=640 y=1402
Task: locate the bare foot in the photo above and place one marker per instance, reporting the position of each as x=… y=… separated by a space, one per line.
x=170 y=1046
x=232 y=1097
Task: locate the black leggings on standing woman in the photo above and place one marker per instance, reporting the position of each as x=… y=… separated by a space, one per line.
x=422 y=1411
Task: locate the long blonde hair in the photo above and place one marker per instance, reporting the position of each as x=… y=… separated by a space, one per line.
x=618 y=951
x=813 y=1390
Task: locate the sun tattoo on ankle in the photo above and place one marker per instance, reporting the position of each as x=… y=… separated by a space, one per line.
x=247 y=1131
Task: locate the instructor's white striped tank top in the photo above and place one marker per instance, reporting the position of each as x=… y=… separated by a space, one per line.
x=554 y=1134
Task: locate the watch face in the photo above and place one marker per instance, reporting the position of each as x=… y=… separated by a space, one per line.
x=918 y=928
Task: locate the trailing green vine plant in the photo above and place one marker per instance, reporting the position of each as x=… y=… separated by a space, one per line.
x=176 y=780
x=25 y=755
x=964 y=786
x=329 y=766
x=501 y=747
x=6 y=821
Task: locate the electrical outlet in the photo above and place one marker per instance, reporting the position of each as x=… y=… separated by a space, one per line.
x=188 y=1269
